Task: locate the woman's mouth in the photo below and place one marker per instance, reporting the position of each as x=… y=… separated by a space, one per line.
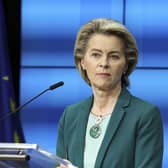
x=103 y=74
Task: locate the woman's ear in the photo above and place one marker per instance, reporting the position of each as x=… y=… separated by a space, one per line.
x=125 y=69
x=82 y=62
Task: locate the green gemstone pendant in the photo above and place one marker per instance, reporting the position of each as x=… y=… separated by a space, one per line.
x=95 y=131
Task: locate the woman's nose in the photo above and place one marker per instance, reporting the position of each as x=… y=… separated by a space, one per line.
x=104 y=62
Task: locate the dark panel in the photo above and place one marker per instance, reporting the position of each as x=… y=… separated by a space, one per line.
x=12 y=17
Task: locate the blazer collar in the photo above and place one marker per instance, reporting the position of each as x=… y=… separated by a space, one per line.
x=81 y=131
x=114 y=123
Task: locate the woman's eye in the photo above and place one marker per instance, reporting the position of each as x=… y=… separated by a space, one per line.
x=95 y=55
x=114 y=56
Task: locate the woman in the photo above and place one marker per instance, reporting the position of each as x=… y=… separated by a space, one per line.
x=112 y=128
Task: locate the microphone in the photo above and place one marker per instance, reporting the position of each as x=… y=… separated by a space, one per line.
x=52 y=87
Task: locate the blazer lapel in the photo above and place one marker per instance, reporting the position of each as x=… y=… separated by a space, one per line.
x=81 y=131
x=114 y=123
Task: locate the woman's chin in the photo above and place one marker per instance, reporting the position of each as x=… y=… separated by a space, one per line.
x=105 y=86
x=102 y=86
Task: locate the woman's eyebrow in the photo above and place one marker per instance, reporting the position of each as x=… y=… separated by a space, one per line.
x=111 y=52
x=94 y=49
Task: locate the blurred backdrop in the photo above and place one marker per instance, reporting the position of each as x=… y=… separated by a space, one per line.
x=49 y=29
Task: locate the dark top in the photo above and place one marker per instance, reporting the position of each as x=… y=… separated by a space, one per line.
x=133 y=139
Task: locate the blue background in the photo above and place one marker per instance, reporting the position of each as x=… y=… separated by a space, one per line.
x=49 y=29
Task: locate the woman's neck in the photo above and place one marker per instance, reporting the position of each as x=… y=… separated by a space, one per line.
x=104 y=101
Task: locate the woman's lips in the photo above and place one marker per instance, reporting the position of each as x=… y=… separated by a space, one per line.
x=103 y=74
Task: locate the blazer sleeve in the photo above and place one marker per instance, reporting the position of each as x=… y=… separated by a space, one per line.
x=149 y=140
x=61 y=147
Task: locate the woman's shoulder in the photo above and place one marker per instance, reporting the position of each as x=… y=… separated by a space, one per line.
x=137 y=101
x=143 y=108
x=75 y=108
x=80 y=104
x=141 y=111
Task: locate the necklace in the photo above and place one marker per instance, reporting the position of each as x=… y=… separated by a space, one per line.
x=95 y=130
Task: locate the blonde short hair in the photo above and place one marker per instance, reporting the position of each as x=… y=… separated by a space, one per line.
x=106 y=27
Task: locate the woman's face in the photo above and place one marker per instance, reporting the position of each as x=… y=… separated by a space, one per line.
x=104 y=61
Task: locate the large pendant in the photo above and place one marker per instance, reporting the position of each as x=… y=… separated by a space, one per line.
x=95 y=131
